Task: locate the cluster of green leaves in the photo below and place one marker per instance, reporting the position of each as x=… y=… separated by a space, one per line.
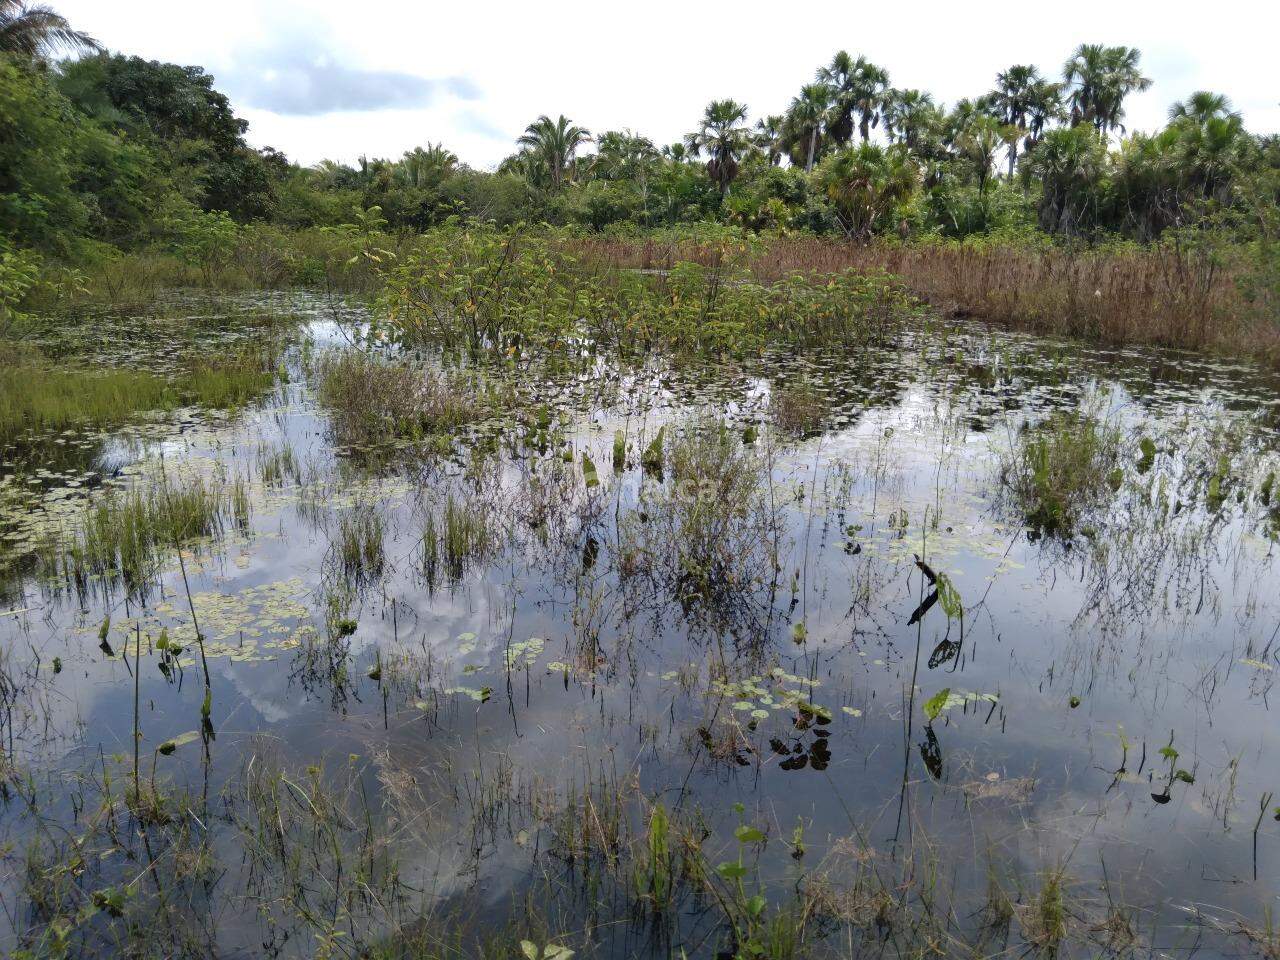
x=482 y=288
x=1063 y=467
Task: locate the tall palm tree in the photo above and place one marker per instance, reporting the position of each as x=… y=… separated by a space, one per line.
x=1012 y=96
x=1100 y=78
x=1202 y=105
x=768 y=137
x=981 y=140
x=723 y=136
x=37 y=32
x=554 y=143
x=807 y=113
x=906 y=114
x=1044 y=104
x=838 y=75
x=870 y=83
x=858 y=88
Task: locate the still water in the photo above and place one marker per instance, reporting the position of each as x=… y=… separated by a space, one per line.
x=472 y=744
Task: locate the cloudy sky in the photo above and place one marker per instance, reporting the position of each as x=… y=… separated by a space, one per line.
x=329 y=79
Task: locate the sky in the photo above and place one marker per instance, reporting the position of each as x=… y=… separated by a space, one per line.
x=337 y=80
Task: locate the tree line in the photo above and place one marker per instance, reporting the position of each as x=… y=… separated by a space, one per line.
x=107 y=149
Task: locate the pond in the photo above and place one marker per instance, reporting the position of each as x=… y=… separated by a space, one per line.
x=766 y=657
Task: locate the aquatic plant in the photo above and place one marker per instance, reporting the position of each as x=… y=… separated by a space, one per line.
x=482 y=289
x=373 y=401
x=123 y=536
x=797 y=408
x=359 y=548
x=38 y=397
x=1061 y=468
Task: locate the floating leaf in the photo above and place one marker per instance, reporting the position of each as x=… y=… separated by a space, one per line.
x=181 y=740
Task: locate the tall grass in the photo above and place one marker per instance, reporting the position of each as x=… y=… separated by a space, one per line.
x=37 y=397
x=1062 y=468
x=1167 y=294
x=372 y=401
x=231 y=381
x=121 y=538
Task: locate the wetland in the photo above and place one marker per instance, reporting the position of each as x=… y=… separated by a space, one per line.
x=942 y=641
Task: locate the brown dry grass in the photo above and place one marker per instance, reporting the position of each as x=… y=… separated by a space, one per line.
x=1157 y=295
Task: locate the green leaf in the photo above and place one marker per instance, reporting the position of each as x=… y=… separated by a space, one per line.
x=949 y=597
x=746 y=834
x=934 y=706
x=755 y=906
x=731 y=870
x=530 y=950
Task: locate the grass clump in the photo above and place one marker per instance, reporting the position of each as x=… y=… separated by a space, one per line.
x=38 y=397
x=360 y=544
x=709 y=532
x=797 y=408
x=121 y=538
x=1061 y=468
x=372 y=401
x=231 y=382
x=454 y=537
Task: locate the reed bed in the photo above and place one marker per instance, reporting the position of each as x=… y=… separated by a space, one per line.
x=1166 y=295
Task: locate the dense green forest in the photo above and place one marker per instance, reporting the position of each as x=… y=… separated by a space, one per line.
x=103 y=152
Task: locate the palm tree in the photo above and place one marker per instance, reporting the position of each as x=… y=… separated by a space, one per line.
x=1202 y=105
x=723 y=136
x=806 y=114
x=553 y=143
x=1013 y=95
x=1068 y=163
x=981 y=140
x=1044 y=103
x=865 y=182
x=838 y=76
x=37 y=32
x=1210 y=153
x=1100 y=78
x=869 y=85
x=623 y=155
x=858 y=87
x=419 y=167
x=768 y=139
x=906 y=114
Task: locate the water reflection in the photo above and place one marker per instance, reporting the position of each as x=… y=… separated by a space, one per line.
x=762 y=623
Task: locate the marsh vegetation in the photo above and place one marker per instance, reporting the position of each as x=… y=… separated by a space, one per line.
x=530 y=644
x=703 y=552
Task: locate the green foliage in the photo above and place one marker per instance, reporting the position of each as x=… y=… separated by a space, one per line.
x=40 y=398
x=19 y=272
x=205 y=240
x=487 y=289
x=1061 y=468
x=946 y=699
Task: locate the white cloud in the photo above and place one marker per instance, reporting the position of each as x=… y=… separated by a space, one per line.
x=650 y=67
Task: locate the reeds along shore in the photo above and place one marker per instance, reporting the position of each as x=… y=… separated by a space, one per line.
x=1164 y=295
